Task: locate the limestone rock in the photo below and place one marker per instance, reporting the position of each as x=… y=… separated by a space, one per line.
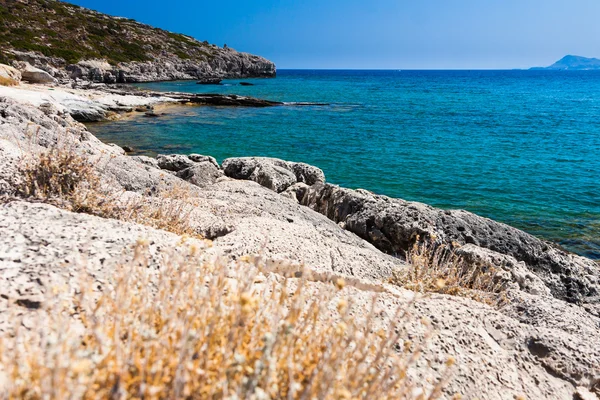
x=10 y=73
x=392 y=225
x=307 y=173
x=201 y=174
x=174 y=162
x=149 y=161
x=272 y=173
x=519 y=274
x=202 y=158
x=35 y=75
x=510 y=355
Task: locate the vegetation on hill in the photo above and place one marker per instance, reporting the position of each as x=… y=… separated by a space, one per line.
x=70 y=32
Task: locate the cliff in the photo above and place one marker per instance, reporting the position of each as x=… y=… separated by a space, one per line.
x=71 y=42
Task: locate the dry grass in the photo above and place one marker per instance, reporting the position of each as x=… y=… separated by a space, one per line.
x=4 y=81
x=191 y=330
x=63 y=178
x=438 y=268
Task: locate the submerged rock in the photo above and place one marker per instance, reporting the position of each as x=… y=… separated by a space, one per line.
x=209 y=81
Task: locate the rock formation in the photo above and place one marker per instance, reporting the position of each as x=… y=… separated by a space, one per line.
x=539 y=342
x=95 y=47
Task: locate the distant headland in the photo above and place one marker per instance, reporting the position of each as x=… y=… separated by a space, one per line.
x=573 y=63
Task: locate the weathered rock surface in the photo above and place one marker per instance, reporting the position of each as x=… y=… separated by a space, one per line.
x=535 y=344
x=201 y=174
x=174 y=162
x=498 y=356
x=392 y=225
x=33 y=74
x=10 y=73
x=272 y=173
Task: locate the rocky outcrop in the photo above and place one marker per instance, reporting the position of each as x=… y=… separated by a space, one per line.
x=34 y=75
x=393 y=224
x=96 y=47
x=536 y=348
x=10 y=73
x=225 y=64
x=534 y=344
x=272 y=173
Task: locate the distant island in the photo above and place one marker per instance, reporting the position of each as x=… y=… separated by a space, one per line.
x=573 y=63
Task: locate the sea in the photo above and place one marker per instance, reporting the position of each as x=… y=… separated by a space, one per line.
x=520 y=147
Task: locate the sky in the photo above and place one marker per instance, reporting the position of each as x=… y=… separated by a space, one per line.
x=381 y=34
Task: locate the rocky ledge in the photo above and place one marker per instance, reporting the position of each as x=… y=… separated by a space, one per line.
x=540 y=341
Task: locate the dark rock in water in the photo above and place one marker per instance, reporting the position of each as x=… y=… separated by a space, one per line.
x=201 y=174
x=152 y=114
x=231 y=100
x=246 y=84
x=393 y=224
x=128 y=149
x=209 y=81
x=272 y=173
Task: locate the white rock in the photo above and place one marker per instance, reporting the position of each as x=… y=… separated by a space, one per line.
x=10 y=72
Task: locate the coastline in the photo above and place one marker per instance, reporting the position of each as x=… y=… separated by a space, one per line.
x=243 y=203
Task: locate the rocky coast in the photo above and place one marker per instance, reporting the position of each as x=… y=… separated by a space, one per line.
x=538 y=342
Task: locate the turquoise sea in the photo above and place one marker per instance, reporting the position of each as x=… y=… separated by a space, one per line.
x=521 y=147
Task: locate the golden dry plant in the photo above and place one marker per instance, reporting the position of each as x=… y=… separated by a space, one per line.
x=62 y=177
x=4 y=81
x=437 y=268
x=192 y=329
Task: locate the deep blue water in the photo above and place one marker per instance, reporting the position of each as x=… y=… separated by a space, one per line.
x=522 y=147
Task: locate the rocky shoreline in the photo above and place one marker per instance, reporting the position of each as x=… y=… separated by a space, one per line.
x=540 y=342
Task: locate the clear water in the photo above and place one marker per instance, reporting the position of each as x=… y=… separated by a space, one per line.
x=522 y=147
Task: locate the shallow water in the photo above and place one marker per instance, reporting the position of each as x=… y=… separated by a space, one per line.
x=521 y=147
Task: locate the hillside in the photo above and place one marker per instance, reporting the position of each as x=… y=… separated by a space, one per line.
x=574 y=63
x=67 y=35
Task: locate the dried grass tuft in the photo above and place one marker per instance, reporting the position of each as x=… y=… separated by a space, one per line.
x=437 y=268
x=62 y=177
x=195 y=330
x=4 y=81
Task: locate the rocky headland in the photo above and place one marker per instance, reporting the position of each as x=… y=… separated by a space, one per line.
x=55 y=41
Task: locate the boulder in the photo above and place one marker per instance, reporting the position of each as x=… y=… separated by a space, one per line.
x=307 y=173
x=201 y=174
x=33 y=74
x=174 y=162
x=272 y=173
x=201 y=158
x=10 y=73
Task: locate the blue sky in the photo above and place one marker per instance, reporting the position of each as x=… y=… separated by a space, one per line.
x=394 y=34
